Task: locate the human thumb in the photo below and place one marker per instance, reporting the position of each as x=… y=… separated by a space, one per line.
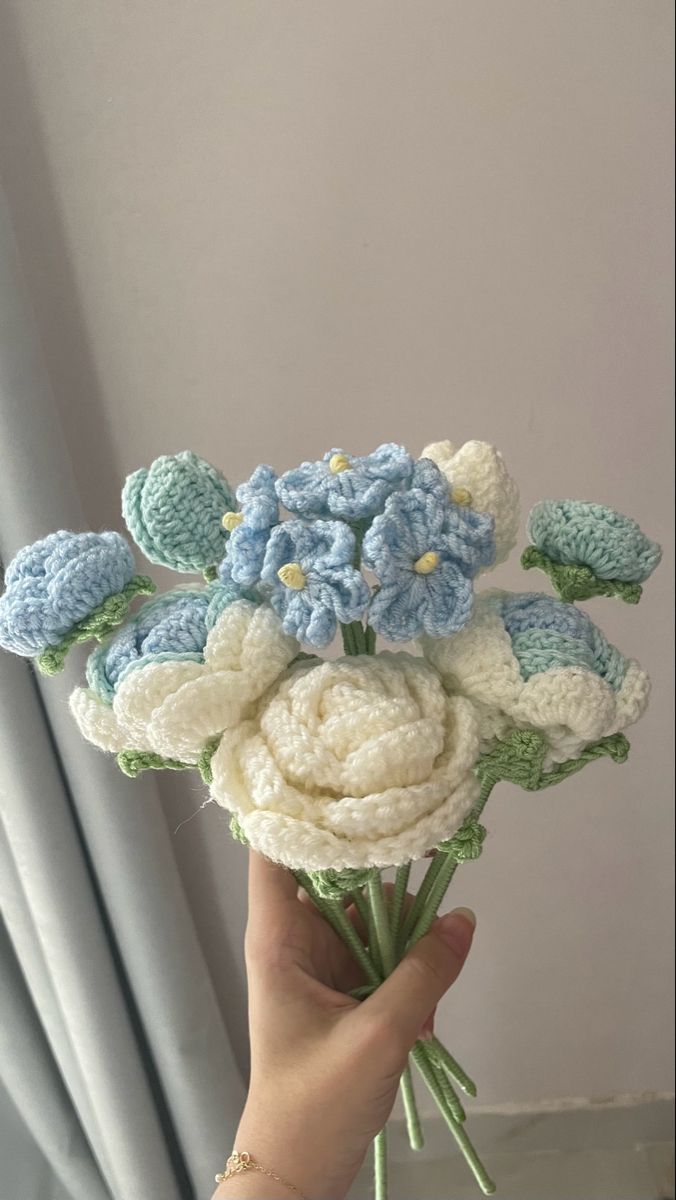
x=417 y=984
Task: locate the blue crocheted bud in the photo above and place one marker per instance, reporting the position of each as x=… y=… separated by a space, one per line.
x=57 y=583
x=174 y=511
x=547 y=634
x=170 y=627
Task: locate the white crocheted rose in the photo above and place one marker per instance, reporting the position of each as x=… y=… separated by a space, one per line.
x=174 y=708
x=479 y=478
x=359 y=762
x=573 y=705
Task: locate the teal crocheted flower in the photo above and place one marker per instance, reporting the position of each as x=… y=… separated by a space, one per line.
x=425 y=551
x=65 y=588
x=312 y=580
x=345 y=485
x=250 y=528
x=589 y=550
x=174 y=511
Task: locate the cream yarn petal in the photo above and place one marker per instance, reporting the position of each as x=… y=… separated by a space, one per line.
x=313 y=796
x=97 y=721
x=481 y=469
x=144 y=690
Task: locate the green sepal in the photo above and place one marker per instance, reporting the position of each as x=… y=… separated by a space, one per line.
x=98 y=624
x=132 y=762
x=520 y=760
x=467 y=844
x=578 y=582
x=332 y=885
x=204 y=761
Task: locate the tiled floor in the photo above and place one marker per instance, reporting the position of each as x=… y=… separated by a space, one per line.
x=600 y=1153
x=582 y=1175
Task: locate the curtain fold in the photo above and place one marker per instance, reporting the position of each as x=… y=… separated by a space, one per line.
x=103 y=963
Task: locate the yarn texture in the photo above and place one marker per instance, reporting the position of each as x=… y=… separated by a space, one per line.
x=174 y=511
x=174 y=708
x=477 y=473
x=171 y=627
x=312 y=581
x=611 y=545
x=345 y=485
x=354 y=763
x=55 y=585
x=425 y=550
x=562 y=678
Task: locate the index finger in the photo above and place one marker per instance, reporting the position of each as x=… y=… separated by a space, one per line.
x=270 y=886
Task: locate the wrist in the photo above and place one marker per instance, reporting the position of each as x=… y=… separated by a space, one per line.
x=296 y=1149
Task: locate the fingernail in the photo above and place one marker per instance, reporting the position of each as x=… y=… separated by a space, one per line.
x=456 y=929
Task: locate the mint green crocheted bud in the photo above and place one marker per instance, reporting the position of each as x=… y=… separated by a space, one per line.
x=589 y=550
x=174 y=511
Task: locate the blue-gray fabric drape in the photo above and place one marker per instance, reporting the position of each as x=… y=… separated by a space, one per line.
x=113 y=1051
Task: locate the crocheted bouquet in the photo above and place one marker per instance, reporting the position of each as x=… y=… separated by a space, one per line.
x=341 y=767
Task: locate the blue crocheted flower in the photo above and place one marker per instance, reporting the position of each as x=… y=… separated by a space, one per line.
x=425 y=551
x=170 y=627
x=580 y=534
x=250 y=528
x=174 y=511
x=342 y=485
x=314 y=583
x=57 y=583
x=547 y=633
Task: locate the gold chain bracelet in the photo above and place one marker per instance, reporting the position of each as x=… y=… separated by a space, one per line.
x=241 y=1161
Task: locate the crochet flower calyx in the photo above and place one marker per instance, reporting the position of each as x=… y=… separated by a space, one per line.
x=340 y=767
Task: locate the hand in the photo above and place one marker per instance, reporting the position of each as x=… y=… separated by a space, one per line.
x=325 y=1068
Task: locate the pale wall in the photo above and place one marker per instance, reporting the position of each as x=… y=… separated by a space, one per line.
x=262 y=229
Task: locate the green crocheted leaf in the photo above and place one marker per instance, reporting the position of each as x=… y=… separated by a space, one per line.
x=204 y=760
x=97 y=625
x=237 y=831
x=132 y=762
x=520 y=760
x=210 y=574
x=579 y=582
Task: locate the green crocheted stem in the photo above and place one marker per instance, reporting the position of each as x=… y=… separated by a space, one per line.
x=381 y=922
x=413 y=1126
x=419 y=902
x=466 y=1148
x=449 y=1064
x=451 y=1098
x=398 y=896
x=97 y=625
x=578 y=582
x=334 y=913
x=132 y=762
x=361 y=904
x=380 y=1166
x=358 y=639
x=448 y=867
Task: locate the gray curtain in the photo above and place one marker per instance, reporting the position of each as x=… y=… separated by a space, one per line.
x=113 y=1052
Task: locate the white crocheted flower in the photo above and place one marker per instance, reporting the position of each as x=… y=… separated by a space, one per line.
x=355 y=763
x=479 y=478
x=174 y=708
x=594 y=693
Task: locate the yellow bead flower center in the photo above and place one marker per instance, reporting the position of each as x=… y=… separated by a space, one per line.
x=231 y=520
x=292 y=576
x=461 y=495
x=338 y=463
x=426 y=563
